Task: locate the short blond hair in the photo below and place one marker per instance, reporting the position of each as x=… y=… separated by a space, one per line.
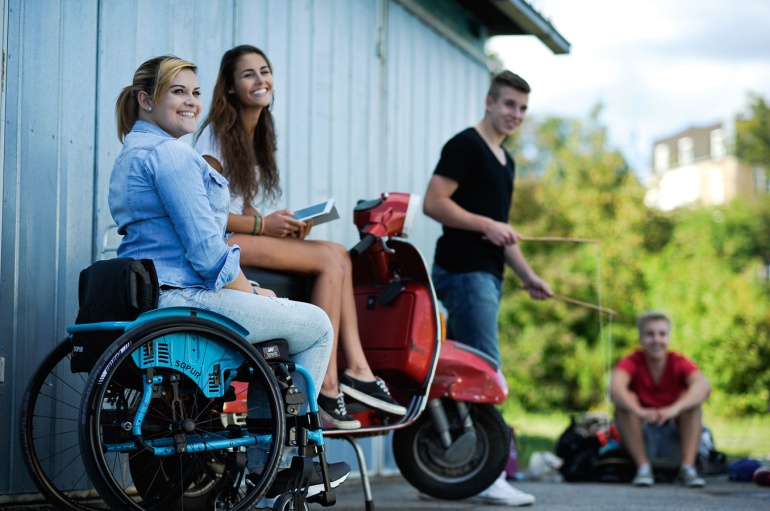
x=647 y=316
x=507 y=79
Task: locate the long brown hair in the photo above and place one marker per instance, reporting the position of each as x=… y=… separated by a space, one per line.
x=153 y=77
x=240 y=154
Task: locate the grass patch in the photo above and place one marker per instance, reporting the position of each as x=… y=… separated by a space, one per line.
x=741 y=437
x=737 y=437
x=535 y=432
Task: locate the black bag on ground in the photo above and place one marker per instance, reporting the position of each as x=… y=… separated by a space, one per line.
x=110 y=290
x=584 y=456
x=709 y=461
x=578 y=452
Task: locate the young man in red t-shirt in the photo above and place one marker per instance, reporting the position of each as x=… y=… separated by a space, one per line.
x=658 y=396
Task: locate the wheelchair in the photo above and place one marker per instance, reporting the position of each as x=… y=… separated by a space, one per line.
x=142 y=403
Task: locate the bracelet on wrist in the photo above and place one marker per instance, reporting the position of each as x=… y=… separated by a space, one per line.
x=261 y=225
x=255 y=230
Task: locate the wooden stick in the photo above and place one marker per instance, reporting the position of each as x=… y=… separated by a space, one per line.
x=557 y=239
x=585 y=304
x=582 y=304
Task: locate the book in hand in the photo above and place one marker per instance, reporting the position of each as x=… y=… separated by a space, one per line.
x=319 y=213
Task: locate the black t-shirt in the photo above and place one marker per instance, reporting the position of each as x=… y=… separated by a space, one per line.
x=485 y=188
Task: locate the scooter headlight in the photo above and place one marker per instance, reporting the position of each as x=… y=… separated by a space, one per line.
x=411 y=212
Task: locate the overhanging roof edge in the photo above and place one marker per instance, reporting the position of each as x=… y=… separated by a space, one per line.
x=521 y=13
x=416 y=9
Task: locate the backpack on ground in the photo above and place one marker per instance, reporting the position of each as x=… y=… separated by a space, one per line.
x=591 y=451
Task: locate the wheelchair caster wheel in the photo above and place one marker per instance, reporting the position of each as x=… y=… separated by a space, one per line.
x=286 y=503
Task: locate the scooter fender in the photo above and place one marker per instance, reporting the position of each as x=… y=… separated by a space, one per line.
x=462 y=375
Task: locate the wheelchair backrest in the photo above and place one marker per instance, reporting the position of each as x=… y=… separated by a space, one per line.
x=111 y=290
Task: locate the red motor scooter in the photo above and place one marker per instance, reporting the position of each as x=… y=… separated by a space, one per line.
x=453 y=442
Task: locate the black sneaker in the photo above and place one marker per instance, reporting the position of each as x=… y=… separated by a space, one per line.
x=334 y=413
x=284 y=482
x=371 y=393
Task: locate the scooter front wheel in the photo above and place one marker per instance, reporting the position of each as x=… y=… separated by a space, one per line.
x=433 y=468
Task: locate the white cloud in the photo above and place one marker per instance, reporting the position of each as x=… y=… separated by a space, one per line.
x=658 y=66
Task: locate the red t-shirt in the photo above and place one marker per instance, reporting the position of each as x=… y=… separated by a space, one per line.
x=672 y=382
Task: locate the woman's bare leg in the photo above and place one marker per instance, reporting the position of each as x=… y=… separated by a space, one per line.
x=357 y=365
x=332 y=292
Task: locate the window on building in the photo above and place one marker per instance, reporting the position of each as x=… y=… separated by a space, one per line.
x=685 y=148
x=661 y=157
x=717 y=144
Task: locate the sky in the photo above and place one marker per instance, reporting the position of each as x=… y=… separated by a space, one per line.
x=656 y=66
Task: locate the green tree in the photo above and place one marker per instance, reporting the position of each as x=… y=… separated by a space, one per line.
x=752 y=132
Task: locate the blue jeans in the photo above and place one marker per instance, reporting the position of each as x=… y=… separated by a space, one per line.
x=306 y=327
x=662 y=441
x=472 y=301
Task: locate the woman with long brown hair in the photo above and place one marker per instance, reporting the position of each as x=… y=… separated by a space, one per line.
x=238 y=140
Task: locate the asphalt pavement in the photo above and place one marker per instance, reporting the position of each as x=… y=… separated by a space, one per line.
x=395 y=494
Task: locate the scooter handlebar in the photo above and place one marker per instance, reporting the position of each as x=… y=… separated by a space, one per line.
x=367 y=241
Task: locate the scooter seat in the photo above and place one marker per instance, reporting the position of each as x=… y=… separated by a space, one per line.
x=293 y=286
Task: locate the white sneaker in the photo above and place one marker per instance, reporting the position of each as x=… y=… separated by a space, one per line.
x=689 y=477
x=503 y=494
x=644 y=476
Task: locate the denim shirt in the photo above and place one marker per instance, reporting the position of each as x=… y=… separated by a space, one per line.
x=171 y=207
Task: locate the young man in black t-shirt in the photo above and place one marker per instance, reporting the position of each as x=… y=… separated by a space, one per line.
x=470 y=194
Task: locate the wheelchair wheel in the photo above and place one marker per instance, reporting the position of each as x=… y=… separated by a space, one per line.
x=48 y=429
x=151 y=422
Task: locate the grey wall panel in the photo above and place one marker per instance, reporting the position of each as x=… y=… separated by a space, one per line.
x=3 y=88
x=366 y=101
x=116 y=64
x=76 y=148
x=324 y=76
x=48 y=178
x=297 y=170
x=9 y=282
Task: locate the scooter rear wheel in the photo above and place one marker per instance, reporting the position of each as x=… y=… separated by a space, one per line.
x=423 y=461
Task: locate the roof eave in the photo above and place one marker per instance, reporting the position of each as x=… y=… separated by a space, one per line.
x=527 y=20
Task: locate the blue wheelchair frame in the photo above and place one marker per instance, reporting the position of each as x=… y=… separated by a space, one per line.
x=180 y=353
x=180 y=345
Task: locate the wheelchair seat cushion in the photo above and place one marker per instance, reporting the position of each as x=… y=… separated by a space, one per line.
x=111 y=290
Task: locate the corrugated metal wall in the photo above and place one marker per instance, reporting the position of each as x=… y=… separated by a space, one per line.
x=366 y=94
